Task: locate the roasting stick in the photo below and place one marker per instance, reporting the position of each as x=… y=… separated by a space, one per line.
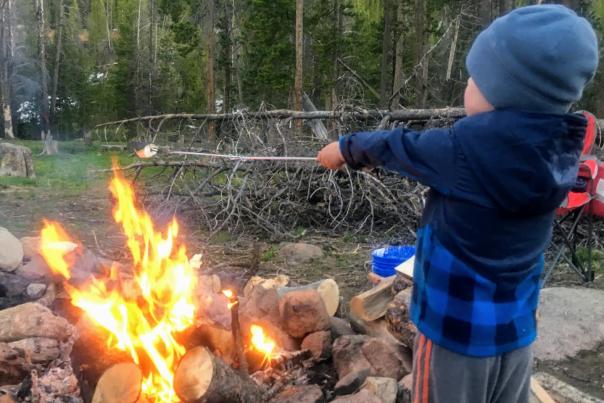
x=145 y=151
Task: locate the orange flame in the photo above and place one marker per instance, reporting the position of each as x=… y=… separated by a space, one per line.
x=262 y=343
x=162 y=304
x=232 y=298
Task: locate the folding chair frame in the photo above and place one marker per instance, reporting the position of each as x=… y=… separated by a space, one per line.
x=570 y=241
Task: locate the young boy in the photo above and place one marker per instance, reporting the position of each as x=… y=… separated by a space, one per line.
x=496 y=179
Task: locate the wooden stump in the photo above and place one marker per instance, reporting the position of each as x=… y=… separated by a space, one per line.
x=201 y=377
x=119 y=384
x=372 y=304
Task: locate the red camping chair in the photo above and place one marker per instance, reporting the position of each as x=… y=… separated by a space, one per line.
x=581 y=202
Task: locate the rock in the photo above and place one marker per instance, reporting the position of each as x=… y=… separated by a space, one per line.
x=355 y=353
x=7 y=399
x=570 y=320
x=351 y=382
x=303 y=312
x=385 y=389
x=339 y=327
x=35 y=290
x=32 y=320
x=319 y=344
x=12 y=284
x=35 y=270
x=31 y=246
x=404 y=389
x=38 y=349
x=299 y=253
x=300 y=394
x=363 y=396
x=16 y=160
x=11 y=251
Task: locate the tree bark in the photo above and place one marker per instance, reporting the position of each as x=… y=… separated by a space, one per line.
x=299 y=56
x=228 y=56
x=386 y=65
x=45 y=133
x=420 y=16
x=485 y=15
x=57 y=66
x=151 y=53
x=399 y=73
x=5 y=67
x=505 y=6
x=211 y=82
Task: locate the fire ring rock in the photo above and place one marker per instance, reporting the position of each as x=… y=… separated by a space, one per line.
x=16 y=160
x=303 y=312
x=11 y=251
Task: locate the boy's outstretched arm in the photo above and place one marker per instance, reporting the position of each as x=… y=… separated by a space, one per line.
x=428 y=157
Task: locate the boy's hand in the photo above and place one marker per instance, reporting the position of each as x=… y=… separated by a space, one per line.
x=330 y=156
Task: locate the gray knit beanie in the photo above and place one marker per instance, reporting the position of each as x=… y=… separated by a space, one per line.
x=536 y=58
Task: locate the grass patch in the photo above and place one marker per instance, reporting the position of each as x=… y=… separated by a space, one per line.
x=269 y=254
x=69 y=172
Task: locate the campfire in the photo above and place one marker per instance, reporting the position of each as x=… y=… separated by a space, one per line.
x=161 y=329
x=161 y=304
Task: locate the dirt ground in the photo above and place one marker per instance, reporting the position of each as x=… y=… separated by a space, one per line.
x=86 y=215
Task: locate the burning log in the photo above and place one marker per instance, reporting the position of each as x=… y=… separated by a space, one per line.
x=32 y=320
x=119 y=384
x=372 y=304
x=202 y=377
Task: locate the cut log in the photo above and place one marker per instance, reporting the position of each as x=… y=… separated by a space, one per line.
x=90 y=356
x=372 y=304
x=119 y=384
x=201 y=377
x=13 y=365
x=406 y=268
x=328 y=290
x=32 y=320
x=38 y=349
x=302 y=312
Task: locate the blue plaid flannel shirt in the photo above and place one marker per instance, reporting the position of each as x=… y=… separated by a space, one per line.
x=459 y=309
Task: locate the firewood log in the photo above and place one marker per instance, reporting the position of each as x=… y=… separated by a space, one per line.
x=372 y=304
x=32 y=320
x=119 y=384
x=202 y=377
x=328 y=290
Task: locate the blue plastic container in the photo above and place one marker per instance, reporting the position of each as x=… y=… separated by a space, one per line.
x=385 y=260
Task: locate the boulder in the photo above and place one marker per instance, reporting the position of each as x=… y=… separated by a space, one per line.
x=303 y=312
x=363 y=396
x=300 y=394
x=16 y=160
x=356 y=353
x=11 y=251
x=300 y=253
x=319 y=344
x=404 y=389
x=385 y=389
x=351 y=382
x=35 y=290
x=31 y=246
x=570 y=320
x=35 y=270
x=339 y=327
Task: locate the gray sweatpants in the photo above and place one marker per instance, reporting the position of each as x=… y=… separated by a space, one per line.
x=442 y=376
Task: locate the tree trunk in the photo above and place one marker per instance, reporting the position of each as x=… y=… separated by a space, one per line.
x=235 y=32
x=45 y=133
x=420 y=16
x=299 y=56
x=228 y=57
x=505 y=6
x=211 y=82
x=485 y=15
x=386 y=66
x=399 y=74
x=151 y=61
x=5 y=63
x=58 y=50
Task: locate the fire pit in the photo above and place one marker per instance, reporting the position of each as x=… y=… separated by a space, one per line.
x=159 y=329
